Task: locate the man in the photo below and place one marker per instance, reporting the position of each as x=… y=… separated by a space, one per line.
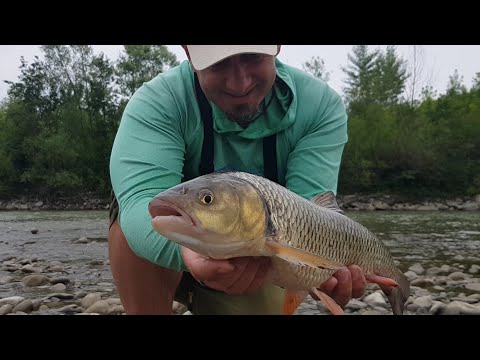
x=250 y=96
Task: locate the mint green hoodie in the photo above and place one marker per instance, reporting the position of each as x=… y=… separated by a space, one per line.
x=159 y=144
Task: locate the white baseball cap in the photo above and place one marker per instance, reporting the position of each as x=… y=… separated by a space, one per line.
x=203 y=56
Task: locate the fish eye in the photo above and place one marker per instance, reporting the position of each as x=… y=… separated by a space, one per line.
x=206 y=197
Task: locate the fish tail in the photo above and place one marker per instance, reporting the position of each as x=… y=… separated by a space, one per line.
x=397 y=295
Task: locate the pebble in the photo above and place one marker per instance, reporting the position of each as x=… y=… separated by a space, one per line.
x=435 y=290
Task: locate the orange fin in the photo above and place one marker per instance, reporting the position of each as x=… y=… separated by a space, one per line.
x=301 y=257
x=377 y=279
x=293 y=299
x=331 y=305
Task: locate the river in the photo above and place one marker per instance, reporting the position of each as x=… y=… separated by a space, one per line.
x=429 y=238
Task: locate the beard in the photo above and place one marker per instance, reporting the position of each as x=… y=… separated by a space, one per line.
x=243 y=115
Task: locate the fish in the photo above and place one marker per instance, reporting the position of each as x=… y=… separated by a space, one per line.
x=230 y=214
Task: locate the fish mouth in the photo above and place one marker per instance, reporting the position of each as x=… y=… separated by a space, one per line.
x=163 y=209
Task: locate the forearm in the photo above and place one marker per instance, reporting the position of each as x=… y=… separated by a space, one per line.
x=147 y=158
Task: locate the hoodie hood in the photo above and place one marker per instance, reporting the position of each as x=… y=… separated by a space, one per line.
x=277 y=114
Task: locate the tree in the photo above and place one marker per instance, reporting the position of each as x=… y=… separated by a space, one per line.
x=388 y=77
x=455 y=84
x=359 y=73
x=417 y=79
x=141 y=63
x=476 y=82
x=316 y=67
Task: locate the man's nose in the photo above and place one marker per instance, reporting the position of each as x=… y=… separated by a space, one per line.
x=239 y=79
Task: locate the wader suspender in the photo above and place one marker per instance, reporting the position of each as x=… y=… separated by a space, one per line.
x=206 y=164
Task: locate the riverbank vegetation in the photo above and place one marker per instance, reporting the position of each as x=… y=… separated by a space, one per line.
x=59 y=120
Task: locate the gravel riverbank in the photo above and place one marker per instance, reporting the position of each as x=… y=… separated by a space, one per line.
x=51 y=287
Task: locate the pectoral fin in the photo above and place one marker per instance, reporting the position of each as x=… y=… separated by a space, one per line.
x=330 y=304
x=301 y=257
x=381 y=280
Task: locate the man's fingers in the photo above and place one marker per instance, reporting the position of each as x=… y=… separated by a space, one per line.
x=240 y=264
x=260 y=276
x=343 y=291
x=327 y=287
x=359 y=283
x=242 y=282
x=204 y=269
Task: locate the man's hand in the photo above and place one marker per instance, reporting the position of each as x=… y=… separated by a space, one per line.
x=235 y=276
x=345 y=284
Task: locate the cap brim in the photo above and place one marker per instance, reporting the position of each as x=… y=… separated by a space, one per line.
x=203 y=56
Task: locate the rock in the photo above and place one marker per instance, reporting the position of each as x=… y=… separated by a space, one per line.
x=31 y=269
x=411 y=275
x=458 y=308
x=457 y=275
x=35 y=280
x=422 y=282
x=437 y=307
x=12 y=300
x=62 y=296
x=434 y=270
x=417 y=268
x=473 y=286
x=470 y=206
x=82 y=240
x=90 y=299
x=375 y=299
x=116 y=309
x=6 y=309
x=427 y=208
x=113 y=301
x=6 y=279
x=355 y=304
x=100 y=307
x=80 y=294
x=34 y=231
x=59 y=287
x=474 y=269
x=59 y=279
x=412 y=307
x=69 y=309
x=25 y=306
x=424 y=301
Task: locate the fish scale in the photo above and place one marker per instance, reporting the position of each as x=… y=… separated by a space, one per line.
x=324 y=232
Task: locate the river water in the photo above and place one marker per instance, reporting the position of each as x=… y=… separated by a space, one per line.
x=426 y=238
x=429 y=238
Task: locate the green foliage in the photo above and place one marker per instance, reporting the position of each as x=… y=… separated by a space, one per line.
x=316 y=67
x=59 y=121
x=141 y=63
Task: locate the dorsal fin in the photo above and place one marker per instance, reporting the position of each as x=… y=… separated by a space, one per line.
x=327 y=200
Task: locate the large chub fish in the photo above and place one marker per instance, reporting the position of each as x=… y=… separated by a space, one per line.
x=232 y=214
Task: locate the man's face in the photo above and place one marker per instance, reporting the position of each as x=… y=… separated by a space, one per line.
x=238 y=84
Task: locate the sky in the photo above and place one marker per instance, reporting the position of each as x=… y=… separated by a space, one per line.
x=439 y=61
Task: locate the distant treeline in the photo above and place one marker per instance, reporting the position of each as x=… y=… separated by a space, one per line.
x=59 y=120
